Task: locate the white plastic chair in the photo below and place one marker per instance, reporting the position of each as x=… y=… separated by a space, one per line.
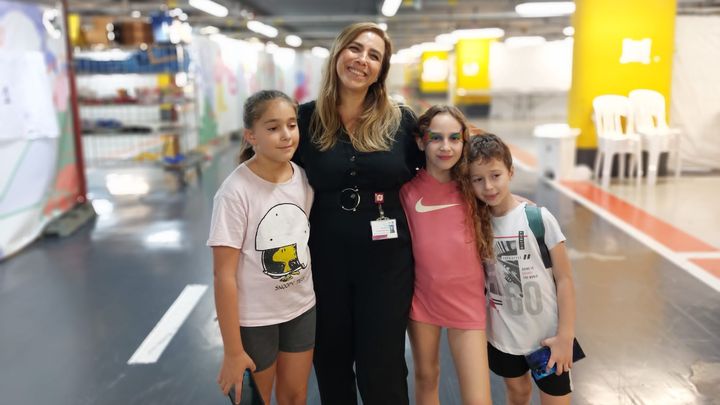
x=648 y=110
x=608 y=112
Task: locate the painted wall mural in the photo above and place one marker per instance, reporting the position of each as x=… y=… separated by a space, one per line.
x=38 y=175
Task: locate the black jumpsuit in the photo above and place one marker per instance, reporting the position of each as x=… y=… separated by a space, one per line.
x=364 y=288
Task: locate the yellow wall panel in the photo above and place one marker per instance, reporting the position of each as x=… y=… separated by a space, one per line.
x=434 y=71
x=600 y=28
x=472 y=69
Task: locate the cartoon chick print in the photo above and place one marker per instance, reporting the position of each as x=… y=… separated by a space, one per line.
x=282 y=238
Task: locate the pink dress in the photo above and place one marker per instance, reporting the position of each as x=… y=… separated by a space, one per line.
x=449 y=276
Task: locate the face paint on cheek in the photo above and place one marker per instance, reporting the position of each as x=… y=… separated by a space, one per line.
x=426 y=138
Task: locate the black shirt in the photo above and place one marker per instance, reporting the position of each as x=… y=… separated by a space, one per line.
x=342 y=166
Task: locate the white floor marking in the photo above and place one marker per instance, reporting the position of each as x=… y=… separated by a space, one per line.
x=682 y=262
x=155 y=343
x=700 y=255
x=577 y=254
x=679 y=259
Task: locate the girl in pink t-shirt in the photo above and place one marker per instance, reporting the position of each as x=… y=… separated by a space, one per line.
x=259 y=235
x=449 y=277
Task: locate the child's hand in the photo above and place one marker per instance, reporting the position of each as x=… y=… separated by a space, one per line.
x=560 y=352
x=231 y=373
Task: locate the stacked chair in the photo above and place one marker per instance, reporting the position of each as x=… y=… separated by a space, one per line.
x=648 y=111
x=626 y=126
x=615 y=134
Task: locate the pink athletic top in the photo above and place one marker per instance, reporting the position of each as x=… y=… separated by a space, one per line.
x=449 y=276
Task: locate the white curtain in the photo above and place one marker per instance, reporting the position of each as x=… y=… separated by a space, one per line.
x=530 y=81
x=695 y=97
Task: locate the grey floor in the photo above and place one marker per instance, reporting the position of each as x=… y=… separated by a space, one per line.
x=73 y=310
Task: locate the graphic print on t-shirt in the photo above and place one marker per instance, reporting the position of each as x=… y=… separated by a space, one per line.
x=508 y=267
x=281 y=238
x=492 y=280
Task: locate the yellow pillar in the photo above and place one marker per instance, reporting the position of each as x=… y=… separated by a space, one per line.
x=472 y=70
x=602 y=65
x=74 y=29
x=434 y=72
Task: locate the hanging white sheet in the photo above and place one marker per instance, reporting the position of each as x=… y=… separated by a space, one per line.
x=26 y=103
x=695 y=99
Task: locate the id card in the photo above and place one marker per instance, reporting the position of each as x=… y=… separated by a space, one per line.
x=384 y=229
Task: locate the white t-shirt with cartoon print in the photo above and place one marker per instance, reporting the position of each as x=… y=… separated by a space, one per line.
x=522 y=298
x=268 y=222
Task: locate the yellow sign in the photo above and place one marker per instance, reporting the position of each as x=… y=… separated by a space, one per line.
x=472 y=67
x=434 y=72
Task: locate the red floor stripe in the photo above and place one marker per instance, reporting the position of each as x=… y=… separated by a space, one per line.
x=712 y=266
x=523 y=156
x=661 y=231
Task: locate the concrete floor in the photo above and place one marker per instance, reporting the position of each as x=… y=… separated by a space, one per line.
x=74 y=310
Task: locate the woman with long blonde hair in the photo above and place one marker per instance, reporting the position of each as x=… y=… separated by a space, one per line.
x=357 y=148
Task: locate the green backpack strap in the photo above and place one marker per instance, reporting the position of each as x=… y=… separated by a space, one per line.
x=534 y=217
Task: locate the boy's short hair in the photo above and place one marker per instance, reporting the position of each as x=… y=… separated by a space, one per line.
x=486 y=147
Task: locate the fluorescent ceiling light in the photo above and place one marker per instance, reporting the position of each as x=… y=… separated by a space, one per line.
x=445 y=39
x=383 y=26
x=545 y=9
x=408 y=53
x=210 y=7
x=569 y=31
x=434 y=46
x=390 y=7
x=479 y=33
x=135 y=14
x=320 y=52
x=263 y=29
x=400 y=58
x=293 y=40
x=209 y=30
x=524 y=41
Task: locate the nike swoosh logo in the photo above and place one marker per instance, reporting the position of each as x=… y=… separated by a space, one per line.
x=419 y=207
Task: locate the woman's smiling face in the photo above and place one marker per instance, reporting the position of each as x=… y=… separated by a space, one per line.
x=360 y=62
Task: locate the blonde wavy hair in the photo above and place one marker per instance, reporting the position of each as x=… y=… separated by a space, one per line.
x=380 y=117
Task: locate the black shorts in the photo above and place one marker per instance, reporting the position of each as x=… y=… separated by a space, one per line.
x=512 y=366
x=262 y=343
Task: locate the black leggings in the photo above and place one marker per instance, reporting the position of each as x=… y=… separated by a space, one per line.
x=364 y=290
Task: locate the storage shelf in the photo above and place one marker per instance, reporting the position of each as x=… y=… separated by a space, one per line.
x=79 y=74
x=123 y=48
x=134 y=104
x=164 y=130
